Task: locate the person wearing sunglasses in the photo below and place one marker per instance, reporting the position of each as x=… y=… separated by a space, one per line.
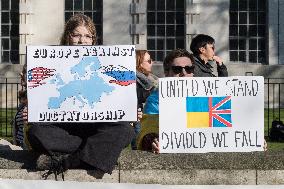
x=178 y=63
x=146 y=82
x=202 y=46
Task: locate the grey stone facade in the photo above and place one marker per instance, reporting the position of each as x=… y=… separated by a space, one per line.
x=125 y=22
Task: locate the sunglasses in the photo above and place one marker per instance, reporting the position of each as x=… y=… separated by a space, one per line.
x=178 y=69
x=149 y=61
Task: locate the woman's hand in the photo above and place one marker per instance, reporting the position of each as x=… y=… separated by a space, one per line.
x=155 y=146
x=218 y=60
x=265 y=145
x=139 y=114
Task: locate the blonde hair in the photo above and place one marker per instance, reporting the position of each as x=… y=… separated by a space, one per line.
x=75 y=21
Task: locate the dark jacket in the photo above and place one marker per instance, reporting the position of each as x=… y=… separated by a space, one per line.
x=205 y=70
x=144 y=85
x=18 y=126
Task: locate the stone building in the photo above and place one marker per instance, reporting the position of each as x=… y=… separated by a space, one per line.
x=247 y=32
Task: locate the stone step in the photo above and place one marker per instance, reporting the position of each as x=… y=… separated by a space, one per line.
x=173 y=169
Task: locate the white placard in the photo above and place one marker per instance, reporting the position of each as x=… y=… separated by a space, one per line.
x=224 y=114
x=81 y=83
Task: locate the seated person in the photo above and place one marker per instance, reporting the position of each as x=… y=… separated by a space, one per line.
x=64 y=146
x=203 y=48
x=148 y=138
x=178 y=63
x=18 y=125
x=18 y=122
x=146 y=81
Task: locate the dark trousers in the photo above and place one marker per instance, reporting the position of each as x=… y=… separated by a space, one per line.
x=97 y=144
x=137 y=128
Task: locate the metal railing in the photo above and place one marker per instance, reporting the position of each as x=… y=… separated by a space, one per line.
x=274 y=102
x=8 y=104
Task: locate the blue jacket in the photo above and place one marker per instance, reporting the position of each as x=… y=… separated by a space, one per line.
x=152 y=103
x=145 y=84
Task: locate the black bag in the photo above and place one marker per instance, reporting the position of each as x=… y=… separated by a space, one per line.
x=277 y=130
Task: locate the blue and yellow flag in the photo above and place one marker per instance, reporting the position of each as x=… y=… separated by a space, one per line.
x=205 y=112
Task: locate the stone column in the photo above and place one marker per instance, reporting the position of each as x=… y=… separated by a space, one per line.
x=25 y=29
x=138 y=27
x=192 y=20
x=116 y=21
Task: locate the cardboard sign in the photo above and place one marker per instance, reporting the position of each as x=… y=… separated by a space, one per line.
x=81 y=83
x=211 y=114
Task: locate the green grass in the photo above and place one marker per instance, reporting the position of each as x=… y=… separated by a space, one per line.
x=275 y=146
x=7 y=134
x=6 y=130
x=271 y=144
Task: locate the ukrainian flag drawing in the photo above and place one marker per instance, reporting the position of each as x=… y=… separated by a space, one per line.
x=208 y=112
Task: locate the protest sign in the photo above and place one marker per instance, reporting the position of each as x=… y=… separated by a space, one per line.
x=81 y=83
x=224 y=114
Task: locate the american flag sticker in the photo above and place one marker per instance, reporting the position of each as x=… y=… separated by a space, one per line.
x=37 y=75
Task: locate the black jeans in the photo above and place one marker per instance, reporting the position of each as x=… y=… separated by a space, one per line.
x=98 y=144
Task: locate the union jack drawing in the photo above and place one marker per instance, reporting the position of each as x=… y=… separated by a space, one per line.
x=36 y=76
x=220 y=111
x=208 y=112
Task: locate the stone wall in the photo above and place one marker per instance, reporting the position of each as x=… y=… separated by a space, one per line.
x=172 y=169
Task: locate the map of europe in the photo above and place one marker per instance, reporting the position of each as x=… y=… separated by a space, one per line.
x=87 y=86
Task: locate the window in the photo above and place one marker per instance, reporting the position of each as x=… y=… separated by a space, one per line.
x=247 y=31
x=165 y=27
x=91 y=8
x=9 y=31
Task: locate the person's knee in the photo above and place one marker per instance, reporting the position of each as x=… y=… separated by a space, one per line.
x=35 y=131
x=32 y=131
x=128 y=130
x=125 y=131
x=31 y=137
